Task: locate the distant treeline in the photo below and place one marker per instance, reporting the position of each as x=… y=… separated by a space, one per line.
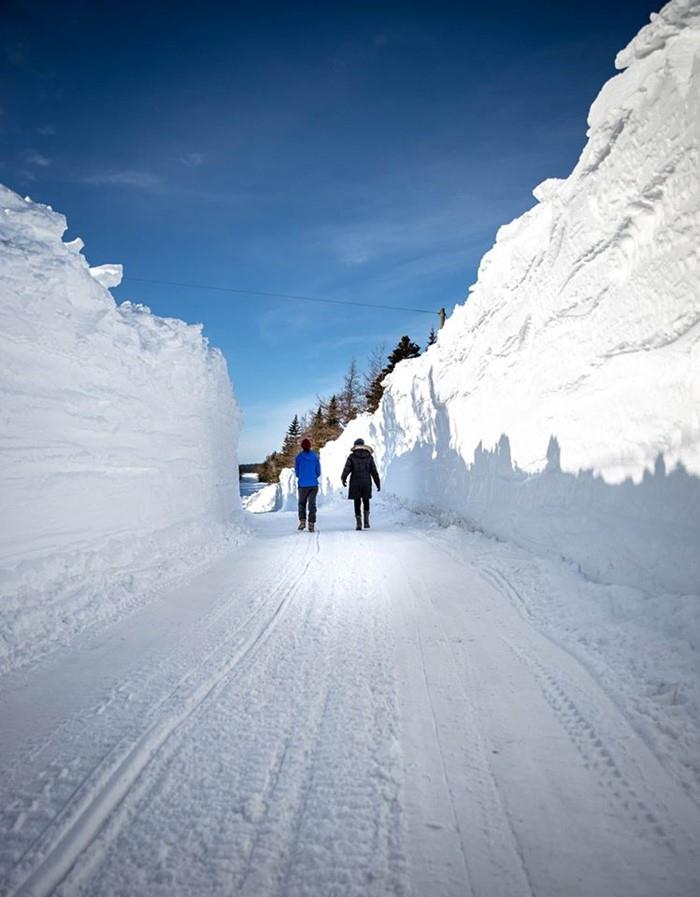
x=360 y=392
x=248 y=468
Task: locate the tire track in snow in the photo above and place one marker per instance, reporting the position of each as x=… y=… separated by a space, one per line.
x=291 y=802
x=305 y=780
x=66 y=778
x=635 y=791
x=501 y=583
x=443 y=764
x=357 y=703
x=52 y=855
x=28 y=815
x=590 y=742
x=597 y=754
x=504 y=584
x=502 y=868
x=343 y=783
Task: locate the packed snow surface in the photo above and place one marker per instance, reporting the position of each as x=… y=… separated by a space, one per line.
x=118 y=440
x=406 y=710
x=560 y=406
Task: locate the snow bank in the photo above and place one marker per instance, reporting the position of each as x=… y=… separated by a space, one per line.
x=264 y=500
x=560 y=406
x=119 y=436
x=288 y=490
x=280 y=496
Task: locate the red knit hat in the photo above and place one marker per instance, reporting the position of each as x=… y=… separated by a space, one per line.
x=306 y=444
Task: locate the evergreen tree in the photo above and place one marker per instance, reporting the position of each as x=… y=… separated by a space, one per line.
x=373 y=378
x=432 y=338
x=317 y=428
x=350 y=398
x=290 y=446
x=270 y=469
x=264 y=472
x=333 y=428
x=404 y=349
x=374 y=393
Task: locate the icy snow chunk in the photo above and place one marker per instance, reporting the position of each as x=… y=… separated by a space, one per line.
x=108 y=275
x=547 y=189
x=664 y=26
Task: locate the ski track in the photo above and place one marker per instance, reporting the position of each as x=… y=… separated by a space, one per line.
x=346 y=714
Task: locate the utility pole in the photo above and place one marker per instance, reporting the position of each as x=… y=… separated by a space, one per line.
x=442 y=315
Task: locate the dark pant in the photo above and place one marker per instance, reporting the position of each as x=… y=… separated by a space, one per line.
x=365 y=505
x=307 y=494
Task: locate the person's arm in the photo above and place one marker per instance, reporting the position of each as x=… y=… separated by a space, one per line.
x=318 y=466
x=296 y=466
x=375 y=474
x=347 y=470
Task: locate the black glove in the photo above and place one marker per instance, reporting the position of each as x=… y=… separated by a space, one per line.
x=379 y=488
x=343 y=484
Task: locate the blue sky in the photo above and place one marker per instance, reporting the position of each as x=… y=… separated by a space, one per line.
x=359 y=151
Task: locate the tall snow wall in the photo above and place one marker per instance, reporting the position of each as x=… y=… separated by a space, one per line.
x=560 y=407
x=119 y=439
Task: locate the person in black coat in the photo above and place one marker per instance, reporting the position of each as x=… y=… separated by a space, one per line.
x=361 y=469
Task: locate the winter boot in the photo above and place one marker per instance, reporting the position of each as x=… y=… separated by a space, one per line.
x=358 y=522
x=302 y=524
x=312 y=527
x=366 y=519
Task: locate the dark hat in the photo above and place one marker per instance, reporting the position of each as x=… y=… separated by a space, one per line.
x=306 y=444
x=359 y=442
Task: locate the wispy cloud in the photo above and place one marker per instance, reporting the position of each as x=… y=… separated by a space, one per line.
x=193 y=160
x=397 y=238
x=32 y=157
x=141 y=180
x=46 y=131
x=396 y=244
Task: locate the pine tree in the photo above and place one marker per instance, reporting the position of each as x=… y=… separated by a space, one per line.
x=270 y=469
x=317 y=428
x=290 y=446
x=404 y=349
x=373 y=378
x=432 y=338
x=374 y=393
x=333 y=428
x=350 y=398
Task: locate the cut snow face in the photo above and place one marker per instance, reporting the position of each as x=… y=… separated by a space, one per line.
x=559 y=406
x=118 y=442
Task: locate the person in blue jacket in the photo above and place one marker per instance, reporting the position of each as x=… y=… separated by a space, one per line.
x=308 y=469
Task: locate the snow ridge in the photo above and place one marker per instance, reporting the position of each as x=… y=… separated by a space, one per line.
x=559 y=407
x=118 y=441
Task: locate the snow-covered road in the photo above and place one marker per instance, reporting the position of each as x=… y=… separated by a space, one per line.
x=333 y=714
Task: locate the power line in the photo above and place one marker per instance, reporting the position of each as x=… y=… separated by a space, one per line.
x=200 y=286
